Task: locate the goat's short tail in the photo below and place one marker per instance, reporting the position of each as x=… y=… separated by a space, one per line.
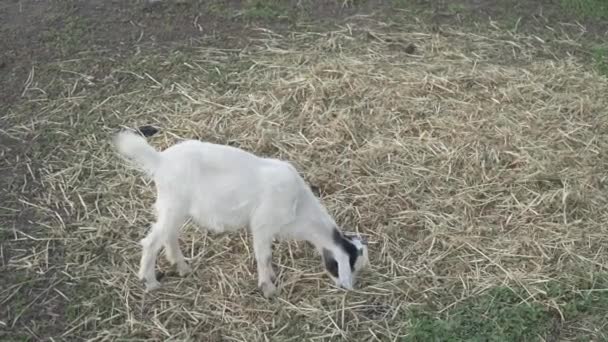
x=136 y=148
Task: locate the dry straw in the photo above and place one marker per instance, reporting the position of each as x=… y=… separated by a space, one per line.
x=469 y=160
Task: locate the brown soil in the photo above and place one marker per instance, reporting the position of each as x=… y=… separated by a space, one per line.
x=113 y=27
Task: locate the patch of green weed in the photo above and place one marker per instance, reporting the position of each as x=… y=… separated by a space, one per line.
x=401 y=3
x=264 y=9
x=456 y=8
x=218 y=8
x=583 y=301
x=70 y=36
x=502 y=314
x=587 y=8
x=497 y=315
x=600 y=59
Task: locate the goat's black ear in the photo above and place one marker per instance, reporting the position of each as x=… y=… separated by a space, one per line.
x=331 y=265
x=147 y=130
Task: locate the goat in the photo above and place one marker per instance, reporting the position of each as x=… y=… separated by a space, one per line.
x=224 y=188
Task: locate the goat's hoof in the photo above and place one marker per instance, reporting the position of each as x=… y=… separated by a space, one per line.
x=151 y=286
x=268 y=289
x=183 y=270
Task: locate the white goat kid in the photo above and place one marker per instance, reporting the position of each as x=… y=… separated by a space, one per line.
x=223 y=188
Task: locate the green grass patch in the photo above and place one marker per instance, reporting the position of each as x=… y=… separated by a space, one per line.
x=407 y=4
x=265 y=9
x=456 y=8
x=497 y=315
x=219 y=9
x=70 y=37
x=587 y=8
x=507 y=314
x=600 y=59
x=583 y=302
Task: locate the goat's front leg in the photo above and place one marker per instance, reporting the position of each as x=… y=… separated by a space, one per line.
x=262 y=247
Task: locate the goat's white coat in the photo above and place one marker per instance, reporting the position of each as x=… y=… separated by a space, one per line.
x=223 y=188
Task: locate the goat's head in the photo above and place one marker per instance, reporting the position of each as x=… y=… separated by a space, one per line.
x=355 y=248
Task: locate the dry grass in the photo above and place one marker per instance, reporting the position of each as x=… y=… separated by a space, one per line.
x=472 y=162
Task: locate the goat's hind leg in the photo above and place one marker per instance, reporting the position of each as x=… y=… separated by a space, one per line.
x=174 y=254
x=166 y=226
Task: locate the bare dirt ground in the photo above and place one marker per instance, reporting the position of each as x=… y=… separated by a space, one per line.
x=493 y=191
x=36 y=32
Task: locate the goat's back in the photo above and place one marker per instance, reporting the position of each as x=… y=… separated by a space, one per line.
x=223 y=186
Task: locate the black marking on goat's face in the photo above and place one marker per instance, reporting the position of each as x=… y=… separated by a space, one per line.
x=331 y=265
x=147 y=130
x=354 y=248
x=347 y=245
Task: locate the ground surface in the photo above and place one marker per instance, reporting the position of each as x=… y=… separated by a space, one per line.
x=466 y=139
